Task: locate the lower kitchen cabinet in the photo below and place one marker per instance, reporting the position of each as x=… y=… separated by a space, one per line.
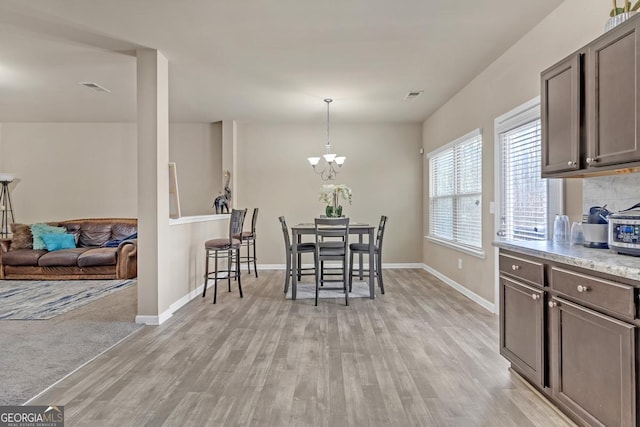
x=521 y=328
x=572 y=333
x=593 y=364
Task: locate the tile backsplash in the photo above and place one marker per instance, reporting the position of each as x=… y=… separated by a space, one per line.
x=618 y=192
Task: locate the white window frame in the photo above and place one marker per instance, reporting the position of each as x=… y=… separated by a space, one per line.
x=520 y=115
x=470 y=250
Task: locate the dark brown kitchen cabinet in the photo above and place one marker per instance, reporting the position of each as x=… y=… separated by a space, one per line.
x=612 y=98
x=561 y=111
x=522 y=328
x=592 y=364
x=590 y=103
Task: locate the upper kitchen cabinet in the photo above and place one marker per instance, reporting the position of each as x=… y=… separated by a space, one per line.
x=612 y=98
x=561 y=112
x=590 y=106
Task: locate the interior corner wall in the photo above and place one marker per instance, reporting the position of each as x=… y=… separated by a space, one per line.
x=196 y=148
x=511 y=80
x=383 y=169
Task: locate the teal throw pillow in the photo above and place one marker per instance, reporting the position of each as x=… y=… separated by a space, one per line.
x=55 y=242
x=38 y=230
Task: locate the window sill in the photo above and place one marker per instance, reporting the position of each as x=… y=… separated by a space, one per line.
x=478 y=253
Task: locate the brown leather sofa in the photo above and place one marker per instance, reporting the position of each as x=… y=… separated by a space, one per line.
x=89 y=260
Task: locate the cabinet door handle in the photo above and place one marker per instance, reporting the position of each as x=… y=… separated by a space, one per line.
x=535 y=297
x=515 y=267
x=552 y=304
x=592 y=160
x=571 y=164
x=583 y=288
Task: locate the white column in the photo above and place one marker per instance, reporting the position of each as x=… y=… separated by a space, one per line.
x=153 y=184
x=229 y=156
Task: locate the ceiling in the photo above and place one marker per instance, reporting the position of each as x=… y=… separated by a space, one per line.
x=259 y=60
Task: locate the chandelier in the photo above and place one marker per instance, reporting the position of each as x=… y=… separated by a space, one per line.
x=329 y=171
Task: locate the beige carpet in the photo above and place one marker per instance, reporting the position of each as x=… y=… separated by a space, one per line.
x=38 y=353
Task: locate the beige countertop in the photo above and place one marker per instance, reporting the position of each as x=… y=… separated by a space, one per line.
x=601 y=260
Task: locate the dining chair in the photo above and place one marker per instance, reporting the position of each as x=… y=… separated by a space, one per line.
x=248 y=240
x=332 y=243
x=307 y=247
x=225 y=249
x=363 y=249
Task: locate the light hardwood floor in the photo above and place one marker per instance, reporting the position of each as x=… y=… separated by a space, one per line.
x=420 y=355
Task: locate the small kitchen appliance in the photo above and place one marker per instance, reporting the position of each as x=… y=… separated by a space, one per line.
x=624 y=231
x=596 y=229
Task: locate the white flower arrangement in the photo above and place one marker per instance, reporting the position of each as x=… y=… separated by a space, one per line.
x=329 y=195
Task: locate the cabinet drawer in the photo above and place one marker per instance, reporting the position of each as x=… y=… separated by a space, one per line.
x=530 y=271
x=612 y=296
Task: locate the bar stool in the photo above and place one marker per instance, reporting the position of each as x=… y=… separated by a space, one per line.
x=248 y=240
x=225 y=248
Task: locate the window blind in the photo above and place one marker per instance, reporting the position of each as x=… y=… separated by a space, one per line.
x=455 y=192
x=524 y=213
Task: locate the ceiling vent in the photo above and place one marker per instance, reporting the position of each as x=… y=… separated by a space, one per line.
x=94 y=86
x=413 y=94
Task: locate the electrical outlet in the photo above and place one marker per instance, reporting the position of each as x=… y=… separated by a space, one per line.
x=459 y=263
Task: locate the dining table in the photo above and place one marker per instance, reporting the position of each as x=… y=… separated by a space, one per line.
x=355 y=228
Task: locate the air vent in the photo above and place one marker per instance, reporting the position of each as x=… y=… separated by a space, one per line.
x=413 y=94
x=94 y=86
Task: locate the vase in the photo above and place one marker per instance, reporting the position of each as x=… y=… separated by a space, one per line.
x=333 y=212
x=617 y=20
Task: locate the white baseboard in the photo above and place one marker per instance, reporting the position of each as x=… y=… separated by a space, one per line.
x=464 y=291
x=165 y=315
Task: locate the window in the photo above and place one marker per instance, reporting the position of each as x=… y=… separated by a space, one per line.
x=455 y=192
x=526 y=200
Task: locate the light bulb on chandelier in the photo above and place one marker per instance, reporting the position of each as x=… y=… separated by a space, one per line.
x=332 y=160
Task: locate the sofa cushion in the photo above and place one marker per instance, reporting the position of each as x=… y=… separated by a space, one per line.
x=97 y=256
x=94 y=233
x=73 y=229
x=22 y=237
x=64 y=257
x=38 y=230
x=56 y=242
x=22 y=257
x=120 y=231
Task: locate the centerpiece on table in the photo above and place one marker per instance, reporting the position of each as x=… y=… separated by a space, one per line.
x=330 y=195
x=620 y=14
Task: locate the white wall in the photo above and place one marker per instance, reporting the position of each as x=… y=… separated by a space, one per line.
x=70 y=170
x=196 y=148
x=511 y=80
x=85 y=170
x=383 y=168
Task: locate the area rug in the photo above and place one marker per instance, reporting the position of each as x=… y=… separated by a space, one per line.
x=44 y=299
x=308 y=291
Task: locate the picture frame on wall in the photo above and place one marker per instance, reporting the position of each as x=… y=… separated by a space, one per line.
x=174 y=197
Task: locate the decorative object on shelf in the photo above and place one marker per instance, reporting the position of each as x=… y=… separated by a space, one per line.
x=330 y=195
x=329 y=171
x=620 y=14
x=5 y=204
x=223 y=202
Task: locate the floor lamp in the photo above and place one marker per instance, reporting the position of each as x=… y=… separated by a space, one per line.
x=5 y=204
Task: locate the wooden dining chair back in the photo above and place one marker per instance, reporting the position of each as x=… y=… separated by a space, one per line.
x=301 y=248
x=332 y=244
x=225 y=249
x=248 y=240
x=363 y=249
